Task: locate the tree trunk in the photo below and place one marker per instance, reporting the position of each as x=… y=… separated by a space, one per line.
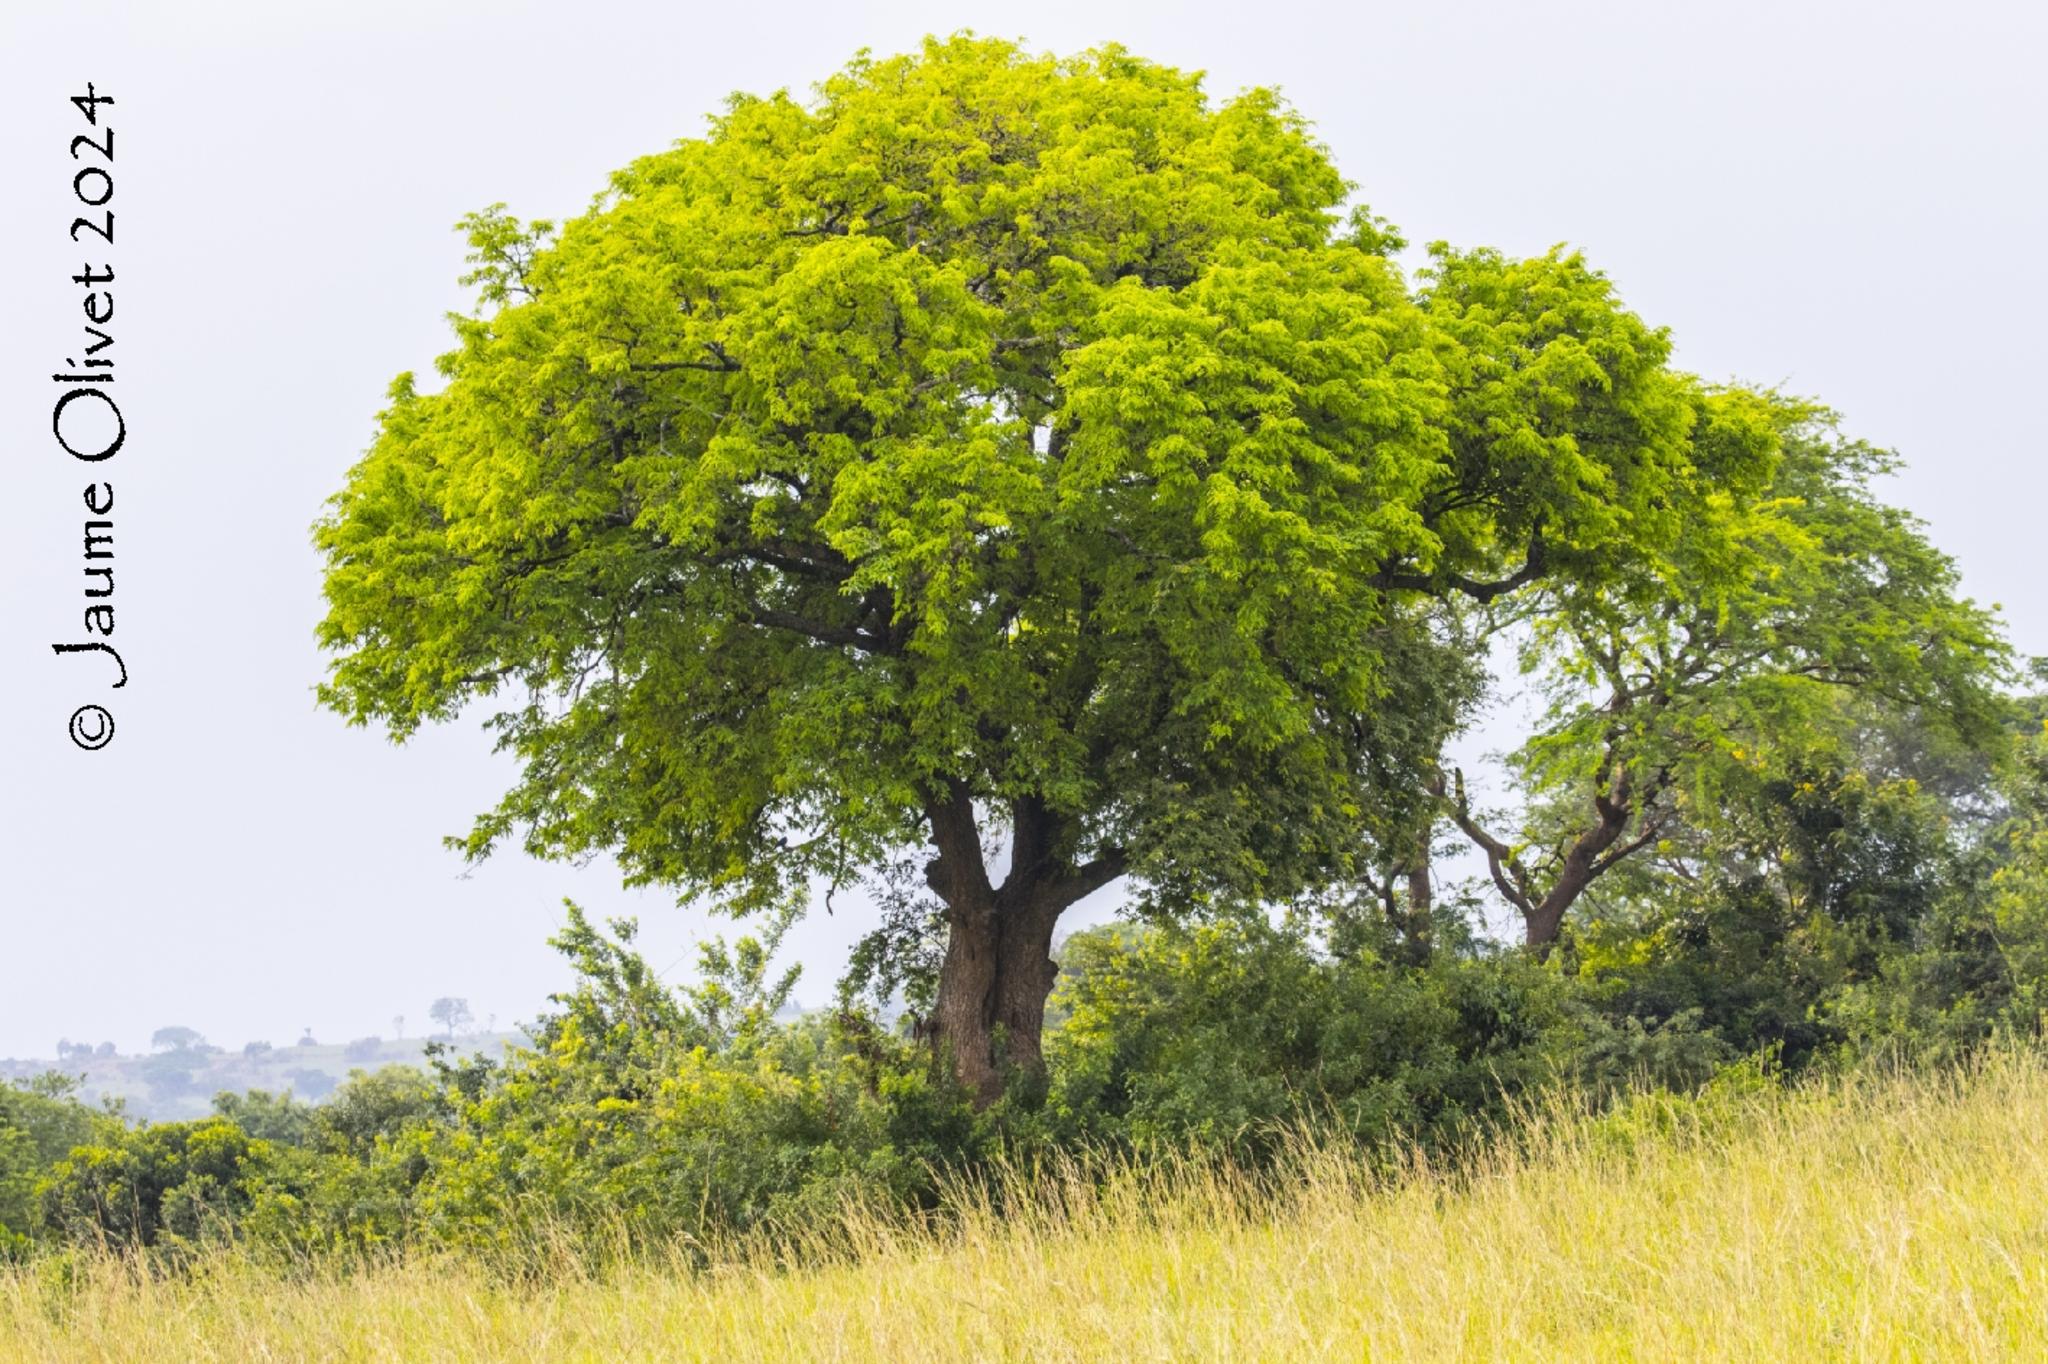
x=1419 y=928
x=1583 y=861
x=989 y=1015
x=1545 y=919
x=1590 y=854
x=998 y=971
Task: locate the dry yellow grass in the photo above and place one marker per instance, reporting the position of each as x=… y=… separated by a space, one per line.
x=1905 y=1218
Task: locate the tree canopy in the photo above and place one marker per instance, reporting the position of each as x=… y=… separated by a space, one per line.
x=994 y=445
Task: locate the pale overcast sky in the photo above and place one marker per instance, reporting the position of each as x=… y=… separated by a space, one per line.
x=1844 y=199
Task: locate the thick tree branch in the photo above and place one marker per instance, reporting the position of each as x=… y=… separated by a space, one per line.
x=809 y=561
x=1534 y=567
x=845 y=636
x=719 y=363
x=1092 y=876
x=958 y=873
x=1651 y=829
x=1032 y=835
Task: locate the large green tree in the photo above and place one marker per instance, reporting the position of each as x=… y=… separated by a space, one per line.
x=996 y=451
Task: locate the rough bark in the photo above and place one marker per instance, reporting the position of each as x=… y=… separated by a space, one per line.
x=989 y=1015
x=993 y=984
x=1418 y=941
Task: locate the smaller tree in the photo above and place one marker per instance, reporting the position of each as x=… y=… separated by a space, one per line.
x=175 y=1039
x=452 y=1014
x=1678 y=695
x=311 y=1084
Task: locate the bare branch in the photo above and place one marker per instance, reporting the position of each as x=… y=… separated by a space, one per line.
x=1500 y=859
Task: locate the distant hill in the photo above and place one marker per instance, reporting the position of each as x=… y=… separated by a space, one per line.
x=180 y=1082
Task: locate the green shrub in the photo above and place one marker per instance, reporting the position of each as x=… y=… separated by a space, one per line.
x=40 y=1121
x=1220 y=1034
x=164 y=1184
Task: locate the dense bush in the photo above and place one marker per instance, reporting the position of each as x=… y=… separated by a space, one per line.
x=1220 y=1034
x=171 y=1184
x=39 y=1124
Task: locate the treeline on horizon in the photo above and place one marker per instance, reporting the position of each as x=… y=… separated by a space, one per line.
x=182 y=1071
x=1006 y=476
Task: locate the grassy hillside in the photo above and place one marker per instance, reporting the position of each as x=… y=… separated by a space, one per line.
x=1904 y=1218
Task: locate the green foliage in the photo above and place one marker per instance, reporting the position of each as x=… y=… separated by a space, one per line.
x=1845 y=925
x=266 y=1170
x=278 y=1119
x=1796 y=614
x=174 y=1185
x=1978 y=962
x=2017 y=924
x=1035 y=431
x=1869 y=897
x=1223 y=1034
x=652 y=1112
x=39 y=1123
